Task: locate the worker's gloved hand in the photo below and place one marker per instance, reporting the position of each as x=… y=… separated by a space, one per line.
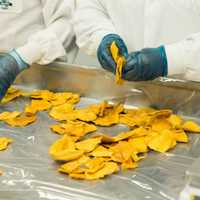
x=11 y=65
x=104 y=55
x=146 y=64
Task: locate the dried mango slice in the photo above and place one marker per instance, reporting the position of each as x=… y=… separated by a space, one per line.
x=62 y=144
x=129 y=164
x=137 y=158
x=175 y=120
x=64 y=97
x=88 y=145
x=4 y=142
x=11 y=94
x=74 y=128
x=138 y=132
x=114 y=51
x=94 y=165
x=109 y=168
x=77 y=176
x=150 y=136
x=105 y=138
x=37 y=105
x=123 y=136
x=67 y=155
x=163 y=142
x=139 y=144
x=180 y=136
x=101 y=151
x=73 y=165
x=122 y=151
x=64 y=149
x=86 y=115
x=119 y=69
x=111 y=116
x=127 y=120
x=119 y=60
x=191 y=127
x=21 y=120
x=161 y=113
x=160 y=125
x=60 y=112
x=41 y=94
x=74 y=99
x=9 y=115
x=57 y=128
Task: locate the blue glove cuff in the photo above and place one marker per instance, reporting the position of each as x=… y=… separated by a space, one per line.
x=22 y=65
x=164 y=60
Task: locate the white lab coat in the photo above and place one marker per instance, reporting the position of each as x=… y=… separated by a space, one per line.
x=40 y=30
x=145 y=23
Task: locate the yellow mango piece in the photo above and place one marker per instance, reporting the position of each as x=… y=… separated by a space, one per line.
x=4 y=142
x=110 y=116
x=123 y=136
x=94 y=165
x=105 y=138
x=139 y=144
x=101 y=151
x=150 y=136
x=37 y=105
x=73 y=165
x=9 y=115
x=21 y=120
x=160 y=125
x=119 y=60
x=191 y=126
x=67 y=155
x=85 y=114
x=122 y=151
x=109 y=168
x=57 y=128
x=137 y=158
x=114 y=51
x=74 y=99
x=64 y=97
x=60 y=112
x=161 y=113
x=78 y=176
x=11 y=94
x=175 y=120
x=163 y=142
x=129 y=164
x=88 y=145
x=41 y=94
x=180 y=136
x=74 y=128
x=66 y=142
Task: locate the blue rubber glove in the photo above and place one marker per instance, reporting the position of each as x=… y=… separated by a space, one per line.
x=146 y=64
x=11 y=65
x=104 y=55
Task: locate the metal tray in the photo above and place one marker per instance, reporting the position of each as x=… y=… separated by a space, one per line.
x=29 y=172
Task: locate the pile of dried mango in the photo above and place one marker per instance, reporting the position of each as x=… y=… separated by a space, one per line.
x=90 y=157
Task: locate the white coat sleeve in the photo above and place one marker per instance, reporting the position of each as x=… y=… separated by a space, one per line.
x=184 y=57
x=92 y=23
x=46 y=45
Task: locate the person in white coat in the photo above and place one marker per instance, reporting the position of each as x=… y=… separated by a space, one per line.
x=33 y=31
x=157 y=37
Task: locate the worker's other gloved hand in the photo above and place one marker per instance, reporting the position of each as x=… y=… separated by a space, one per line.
x=104 y=55
x=146 y=64
x=11 y=65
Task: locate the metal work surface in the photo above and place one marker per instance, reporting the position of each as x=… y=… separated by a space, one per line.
x=29 y=172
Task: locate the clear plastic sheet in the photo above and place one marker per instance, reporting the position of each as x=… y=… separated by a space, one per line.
x=30 y=173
